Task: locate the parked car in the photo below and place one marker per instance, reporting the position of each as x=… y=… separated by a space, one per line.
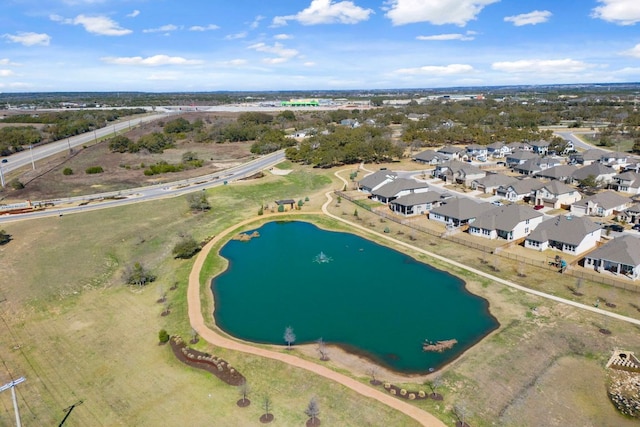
x=538 y=207
x=497 y=203
x=4 y=160
x=636 y=227
x=614 y=227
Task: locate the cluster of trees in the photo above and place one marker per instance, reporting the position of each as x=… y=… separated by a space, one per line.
x=346 y=146
x=15 y=138
x=155 y=142
x=189 y=161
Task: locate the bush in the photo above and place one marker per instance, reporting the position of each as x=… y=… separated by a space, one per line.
x=16 y=184
x=198 y=202
x=93 y=170
x=138 y=275
x=163 y=336
x=67 y=171
x=261 y=210
x=186 y=248
x=280 y=208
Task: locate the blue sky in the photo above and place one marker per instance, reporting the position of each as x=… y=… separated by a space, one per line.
x=210 y=45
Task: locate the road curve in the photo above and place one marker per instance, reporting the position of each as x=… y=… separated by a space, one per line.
x=197 y=323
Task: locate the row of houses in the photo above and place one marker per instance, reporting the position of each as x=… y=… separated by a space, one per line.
x=573 y=234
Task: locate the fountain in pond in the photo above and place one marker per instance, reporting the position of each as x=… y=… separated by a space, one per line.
x=321 y=258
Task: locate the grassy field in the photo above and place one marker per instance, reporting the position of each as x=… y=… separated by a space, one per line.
x=77 y=333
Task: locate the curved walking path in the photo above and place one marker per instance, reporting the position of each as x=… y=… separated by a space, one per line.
x=198 y=324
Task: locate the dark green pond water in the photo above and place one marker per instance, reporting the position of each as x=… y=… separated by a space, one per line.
x=367 y=298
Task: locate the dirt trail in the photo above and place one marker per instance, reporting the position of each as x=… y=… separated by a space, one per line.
x=197 y=322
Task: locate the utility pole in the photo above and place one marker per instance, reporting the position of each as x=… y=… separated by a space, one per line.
x=68 y=411
x=33 y=164
x=12 y=385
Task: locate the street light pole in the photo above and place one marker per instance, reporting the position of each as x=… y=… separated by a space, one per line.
x=1 y=177
x=33 y=163
x=12 y=385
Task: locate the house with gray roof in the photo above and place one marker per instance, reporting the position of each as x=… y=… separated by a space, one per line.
x=555 y=194
x=630 y=215
x=397 y=188
x=587 y=157
x=560 y=173
x=416 y=203
x=498 y=150
x=375 y=180
x=510 y=222
x=601 y=173
x=451 y=152
x=520 y=189
x=458 y=211
x=519 y=157
x=491 y=182
x=620 y=256
x=626 y=182
x=540 y=147
x=601 y=204
x=429 y=157
x=458 y=172
x=615 y=159
x=477 y=151
x=569 y=234
x=534 y=166
x=519 y=146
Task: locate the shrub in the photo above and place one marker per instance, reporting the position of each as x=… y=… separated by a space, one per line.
x=403 y=392
x=163 y=336
x=186 y=248
x=67 y=171
x=422 y=394
x=93 y=170
x=261 y=210
x=280 y=208
x=16 y=184
x=412 y=396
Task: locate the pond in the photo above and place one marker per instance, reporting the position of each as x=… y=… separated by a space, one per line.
x=364 y=297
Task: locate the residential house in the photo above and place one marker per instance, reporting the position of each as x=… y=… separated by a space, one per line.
x=626 y=182
x=519 y=157
x=452 y=153
x=477 y=151
x=601 y=204
x=429 y=157
x=510 y=222
x=458 y=211
x=615 y=159
x=540 y=147
x=491 y=182
x=619 y=256
x=570 y=234
x=498 y=150
x=533 y=166
x=520 y=189
x=375 y=180
x=602 y=174
x=555 y=194
x=458 y=172
x=561 y=173
x=630 y=215
x=519 y=146
x=587 y=157
x=416 y=203
x=397 y=188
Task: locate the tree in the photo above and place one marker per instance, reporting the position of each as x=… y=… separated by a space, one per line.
x=433 y=384
x=243 y=390
x=163 y=336
x=122 y=144
x=4 y=237
x=313 y=410
x=267 y=417
x=138 y=275
x=186 y=248
x=322 y=349
x=67 y=171
x=289 y=336
x=198 y=202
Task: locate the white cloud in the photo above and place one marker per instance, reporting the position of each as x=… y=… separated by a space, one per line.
x=209 y=27
x=622 y=12
x=133 y=14
x=163 y=29
x=437 y=12
x=531 y=18
x=236 y=36
x=541 y=66
x=233 y=63
x=634 y=51
x=282 y=54
x=6 y=73
x=309 y=64
x=100 y=25
x=438 y=70
x=29 y=39
x=256 y=22
x=327 y=12
x=283 y=36
x=151 y=61
x=452 y=36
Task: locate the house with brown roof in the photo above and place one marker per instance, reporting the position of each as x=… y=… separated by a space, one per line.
x=619 y=256
x=570 y=234
x=510 y=222
x=555 y=194
x=601 y=204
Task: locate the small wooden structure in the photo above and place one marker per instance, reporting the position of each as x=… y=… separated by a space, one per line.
x=287 y=203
